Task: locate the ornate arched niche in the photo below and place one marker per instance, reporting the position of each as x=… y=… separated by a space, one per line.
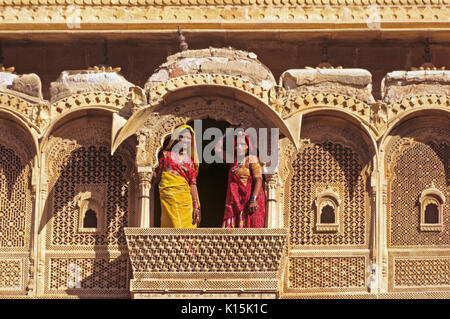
x=161 y=123
x=417 y=170
x=85 y=181
x=328 y=204
x=334 y=164
x=17 y=199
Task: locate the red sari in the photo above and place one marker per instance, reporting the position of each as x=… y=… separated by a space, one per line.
x=239 y=190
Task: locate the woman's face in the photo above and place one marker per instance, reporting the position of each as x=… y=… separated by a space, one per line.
x=185 y=139
x=241 y=147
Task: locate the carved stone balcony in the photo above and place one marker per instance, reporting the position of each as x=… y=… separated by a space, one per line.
x=205 y=262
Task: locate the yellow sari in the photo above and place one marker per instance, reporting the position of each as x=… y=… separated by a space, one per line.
x=175 y=192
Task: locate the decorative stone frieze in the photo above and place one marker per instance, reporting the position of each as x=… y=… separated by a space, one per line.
x=244 y=14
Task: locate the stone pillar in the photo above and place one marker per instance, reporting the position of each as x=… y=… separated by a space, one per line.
x=382 y=227
x=373 y=270
x=145 y=175
x=40 y=233
x=274 y=214
x=31 y=287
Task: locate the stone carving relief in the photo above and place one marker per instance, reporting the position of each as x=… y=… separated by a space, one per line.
x=161 y=123
x=419 y=101
x=77 y=159
x=10 y=274
x=421 y=272
x=432 y=203
x=413 y=169
x=85 y=179
x=16 y=154
x=327 y=272
x=185 y=251
x=104 y=99
x=315 y=100
x=156 y=93
x=254 y=10
x=417 y=156
x=91 y=197
x=332 y=158
x=37 y=115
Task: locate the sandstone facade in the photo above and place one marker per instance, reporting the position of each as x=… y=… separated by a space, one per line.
x=362 y=133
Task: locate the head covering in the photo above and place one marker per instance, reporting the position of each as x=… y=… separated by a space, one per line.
x=249 y=143
x=193 y=151
x=247 y=140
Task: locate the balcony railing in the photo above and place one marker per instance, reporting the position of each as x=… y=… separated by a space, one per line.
x=205 y=260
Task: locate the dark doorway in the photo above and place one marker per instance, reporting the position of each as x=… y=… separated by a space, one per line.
x=211 y=183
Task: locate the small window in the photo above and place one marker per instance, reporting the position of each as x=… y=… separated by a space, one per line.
x=327 y=211
x=432 y=202
x=432 y=214
x=90 y=219
x=91 y=207
x=327 y=216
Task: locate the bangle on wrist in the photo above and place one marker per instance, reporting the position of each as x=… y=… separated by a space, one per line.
x=253 y=198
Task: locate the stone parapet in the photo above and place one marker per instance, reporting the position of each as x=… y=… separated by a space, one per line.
x=398 y=85
x=81 y=81
x=356 y=83
x=224 y=61
x=208 y=260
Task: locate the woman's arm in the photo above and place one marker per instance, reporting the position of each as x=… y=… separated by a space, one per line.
x=196 y=214
x=253 y=206
x=255 y=170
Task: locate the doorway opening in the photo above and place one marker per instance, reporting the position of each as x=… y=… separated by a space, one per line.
x=211 y=183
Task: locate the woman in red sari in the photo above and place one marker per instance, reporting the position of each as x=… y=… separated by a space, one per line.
x=245 y=201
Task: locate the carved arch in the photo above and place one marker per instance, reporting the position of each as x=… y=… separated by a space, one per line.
x=33 y=115
x=16 y=169
x=319 y=102
x=163 y=96
x=27 y=134
x=66 y=109
x=159 y=125
x=405 y=109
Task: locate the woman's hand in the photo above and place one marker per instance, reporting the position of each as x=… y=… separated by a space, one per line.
x=196 y=216
x=252 y=207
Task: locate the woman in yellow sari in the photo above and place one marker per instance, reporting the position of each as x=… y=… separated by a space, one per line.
x=178 y=169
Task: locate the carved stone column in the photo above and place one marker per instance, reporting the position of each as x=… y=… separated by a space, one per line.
x=373 y=268
x=274 y=214
x=31 y=287
x=41 y=194
x=145 y=175
x=382 y=227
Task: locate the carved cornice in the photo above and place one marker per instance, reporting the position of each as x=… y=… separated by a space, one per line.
x=158 y=92
x=214 y=3
x=397 y=108
x=97 y=98
x=244 y=14
x=301 y=103
x=36 y=115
